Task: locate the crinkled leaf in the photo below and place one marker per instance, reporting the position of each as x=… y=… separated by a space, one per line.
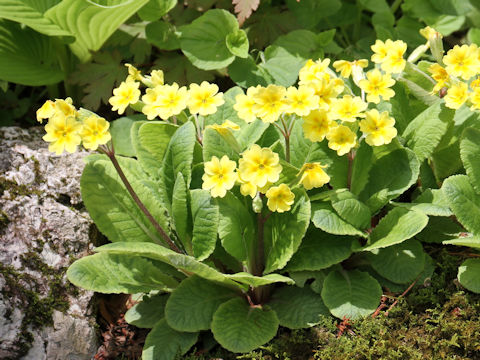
x=431 y=202
x=119 y=273
x=254 y=281
x=147 y=312
x=398 y=225
x=120 y=130
x=192 y=305
x=237 y=43
x=164 y=343
x=351 y=294
x=298 y=308
x=400 y=263
x=470 y=154
x=241 y=328
x=180 y=215
x=325 y=217
x=154 y=136
x=205 y=216
x=283 y=232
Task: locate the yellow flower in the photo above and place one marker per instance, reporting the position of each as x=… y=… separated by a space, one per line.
x=462 y=61
x=269 y=102
x=376 y=85
x=302 y=100
x=95 y=132
x=259 y=166
x=219 y=176
x=225 y=127
x=62 y=133
x=341 y=139
x=347 y=108
x=280 y=198
x=204 y=98
x=456 y=96
x=475 y=83
x=345 y=68
x=380 y=50
x=316 y=125
x=50 y=108
x=440 y=75
x=475 y=98
x=394 y=61
x=326 y=89
x=378 y=128
x=244 y=105
x=155 y=78
x=127 y=93
x=313 y=70
x=164 y=101
x=314 y=176
x=246 y=188
x=133 y=73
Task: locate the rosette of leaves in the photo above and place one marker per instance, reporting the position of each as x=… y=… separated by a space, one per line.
x=237 y=273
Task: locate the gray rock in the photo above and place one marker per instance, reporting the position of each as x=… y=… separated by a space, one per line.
x=43 y=228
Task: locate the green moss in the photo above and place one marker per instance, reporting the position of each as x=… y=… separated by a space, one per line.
x=4 y=221
x=16 y=189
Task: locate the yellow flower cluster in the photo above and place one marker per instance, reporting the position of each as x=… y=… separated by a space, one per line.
x=67 y=128
x=459 y=76
x=164 y=100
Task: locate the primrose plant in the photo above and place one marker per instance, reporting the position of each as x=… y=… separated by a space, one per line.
x=236 y=213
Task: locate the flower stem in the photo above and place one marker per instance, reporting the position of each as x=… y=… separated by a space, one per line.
x=351 y=156
x=111 y=155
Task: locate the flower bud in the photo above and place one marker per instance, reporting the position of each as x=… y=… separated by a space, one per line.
x=257 y=204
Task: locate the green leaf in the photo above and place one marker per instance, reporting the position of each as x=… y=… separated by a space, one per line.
x=30 y=13
x=177 y=68
x=351 y=294
x=310 y=12
x=119 y=273
x=154 y=137
x=431 y=202
x=241 y=328
x=254 y=281
x=283 y=232
x=393 y=170
x=163 y=35
x=237 y=43
x=204 y=41
x=473 y=35
x=324 y=217
x=320 y=250
x=164 y=343
x=352 y=210
x=205 y=215
x=375 y=5
x=470 y=241
x=236 y=227
x=155 y=9
x=298 y=308
x=192 y=305
x=182 y=262
x=26 y=57
x=91 y=24
x=440 y=229
x=400 y=263
x=147 y=312
x=398 y=225
x=178 y=158
x=424 y=133
x=120 y=130
x=464 y=201
x=246 y=73
x=418 y=84
x=469 y=275
x=111 y=206
x=470 y=154
x=180 y=215
x=217 y=144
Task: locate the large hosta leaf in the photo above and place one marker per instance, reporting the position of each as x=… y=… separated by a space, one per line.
x=164 y=343
x=284 y=232
x=398 y=225
x=352 y=294
x=91 y=24
x=30 y=13
x=111 y=206
x=192 y=305
x=27 y=57
x=119 y=273
x=400 y=263
x=464 y=201
x=204 y=41
x=183 y=263
x=298 y=308
x=241 y=328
